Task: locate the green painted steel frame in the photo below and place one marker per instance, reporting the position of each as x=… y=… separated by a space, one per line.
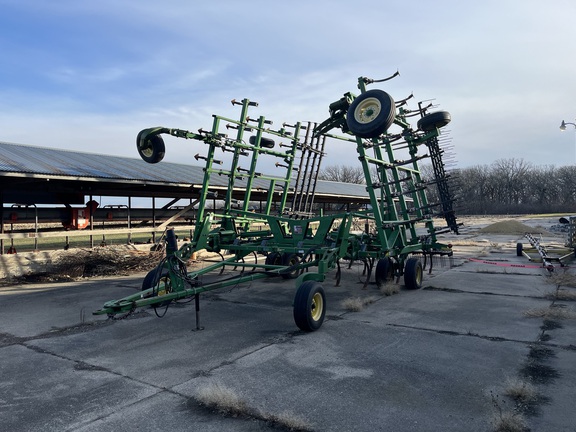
x=319 y=241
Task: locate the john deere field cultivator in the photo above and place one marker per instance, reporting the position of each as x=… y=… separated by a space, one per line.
x=285 y=239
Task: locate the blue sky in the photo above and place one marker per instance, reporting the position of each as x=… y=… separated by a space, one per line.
x=88 y=76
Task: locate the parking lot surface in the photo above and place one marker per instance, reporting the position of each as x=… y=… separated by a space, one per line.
x=436 y=359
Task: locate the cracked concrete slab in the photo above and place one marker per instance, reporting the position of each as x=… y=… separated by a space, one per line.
x=44 y=392
x=359 y=376
x=57 y=306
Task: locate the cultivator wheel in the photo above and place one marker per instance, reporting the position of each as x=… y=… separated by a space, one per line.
x=273 y=259
x=150 y=147
x=290 y=260
x=164 y=287
x=384 y=271
x=435 y=120
x=151 y=280
x=413 y=273
x=309 y=306
x=371 y=114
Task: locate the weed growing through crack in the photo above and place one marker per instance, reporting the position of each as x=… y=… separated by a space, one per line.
x=495 y=247
x=288 y=420
x=550 y=313
x=222 y=399
x=562 y=279
x=356 y=304
x=507 y=421
x=521 y=391
x=561 y=294
x=484 y=252
x=389 y=289
x=227 y=402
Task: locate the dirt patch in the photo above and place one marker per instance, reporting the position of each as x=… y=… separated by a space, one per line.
x=63 y=266
x=511 y=227
x=105 y=261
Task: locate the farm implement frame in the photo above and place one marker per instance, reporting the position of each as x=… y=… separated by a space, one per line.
x=547 y=255
x=286 y=238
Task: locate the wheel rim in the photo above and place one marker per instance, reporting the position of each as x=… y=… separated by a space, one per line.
x=147 y=149
x=418 y=275
x=367 y=110
x=316 y=307
x=166 y=288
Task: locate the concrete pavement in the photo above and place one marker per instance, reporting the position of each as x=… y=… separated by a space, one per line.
x=435 y=359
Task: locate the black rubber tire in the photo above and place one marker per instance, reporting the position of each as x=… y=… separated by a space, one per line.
x=519 y=248
x=384 y=271
x=151 y=149
x=371 y=114
x=264 y=142
x=152 y=279
x=273 y=258
x=309 y=306
x=413 y=273
x=165 y=279
x=148 y=281
x=435 y=120
x=290 y=259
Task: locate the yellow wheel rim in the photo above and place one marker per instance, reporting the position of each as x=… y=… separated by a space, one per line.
x=418 y=275
x=367 y=110
x=164 y=286
x=317 y=307
x=147 y=149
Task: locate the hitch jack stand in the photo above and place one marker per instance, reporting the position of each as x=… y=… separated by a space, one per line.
x=197 y=308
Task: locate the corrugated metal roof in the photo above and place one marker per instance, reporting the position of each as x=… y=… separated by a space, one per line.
x=55 y=162
x=43 y=161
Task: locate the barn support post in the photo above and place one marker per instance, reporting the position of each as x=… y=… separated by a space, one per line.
x=129 y=220
x=154 y=219
x=91 y=227
x=1 y=221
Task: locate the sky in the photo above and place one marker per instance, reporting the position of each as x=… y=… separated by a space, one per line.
x=89 y=75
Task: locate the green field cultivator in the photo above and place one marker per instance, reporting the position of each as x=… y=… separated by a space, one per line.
x=285 y=238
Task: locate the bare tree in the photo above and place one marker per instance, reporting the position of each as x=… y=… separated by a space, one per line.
x=503 y=187
x=342 y=173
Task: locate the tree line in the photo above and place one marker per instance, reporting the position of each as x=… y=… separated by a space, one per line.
x=506 y=186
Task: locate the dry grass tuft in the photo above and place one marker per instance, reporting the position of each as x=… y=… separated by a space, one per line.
x=506 y=421
x=561 y=294
x=562 y=279
x=521 y=391
x=223 y=399
x=389 y=289
x=484 y=252
x=495 y=247
x=353 y=304
x=550 y=313
x=288 y=420
x=509 y=422
x=227 y=402
x=356 y=304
